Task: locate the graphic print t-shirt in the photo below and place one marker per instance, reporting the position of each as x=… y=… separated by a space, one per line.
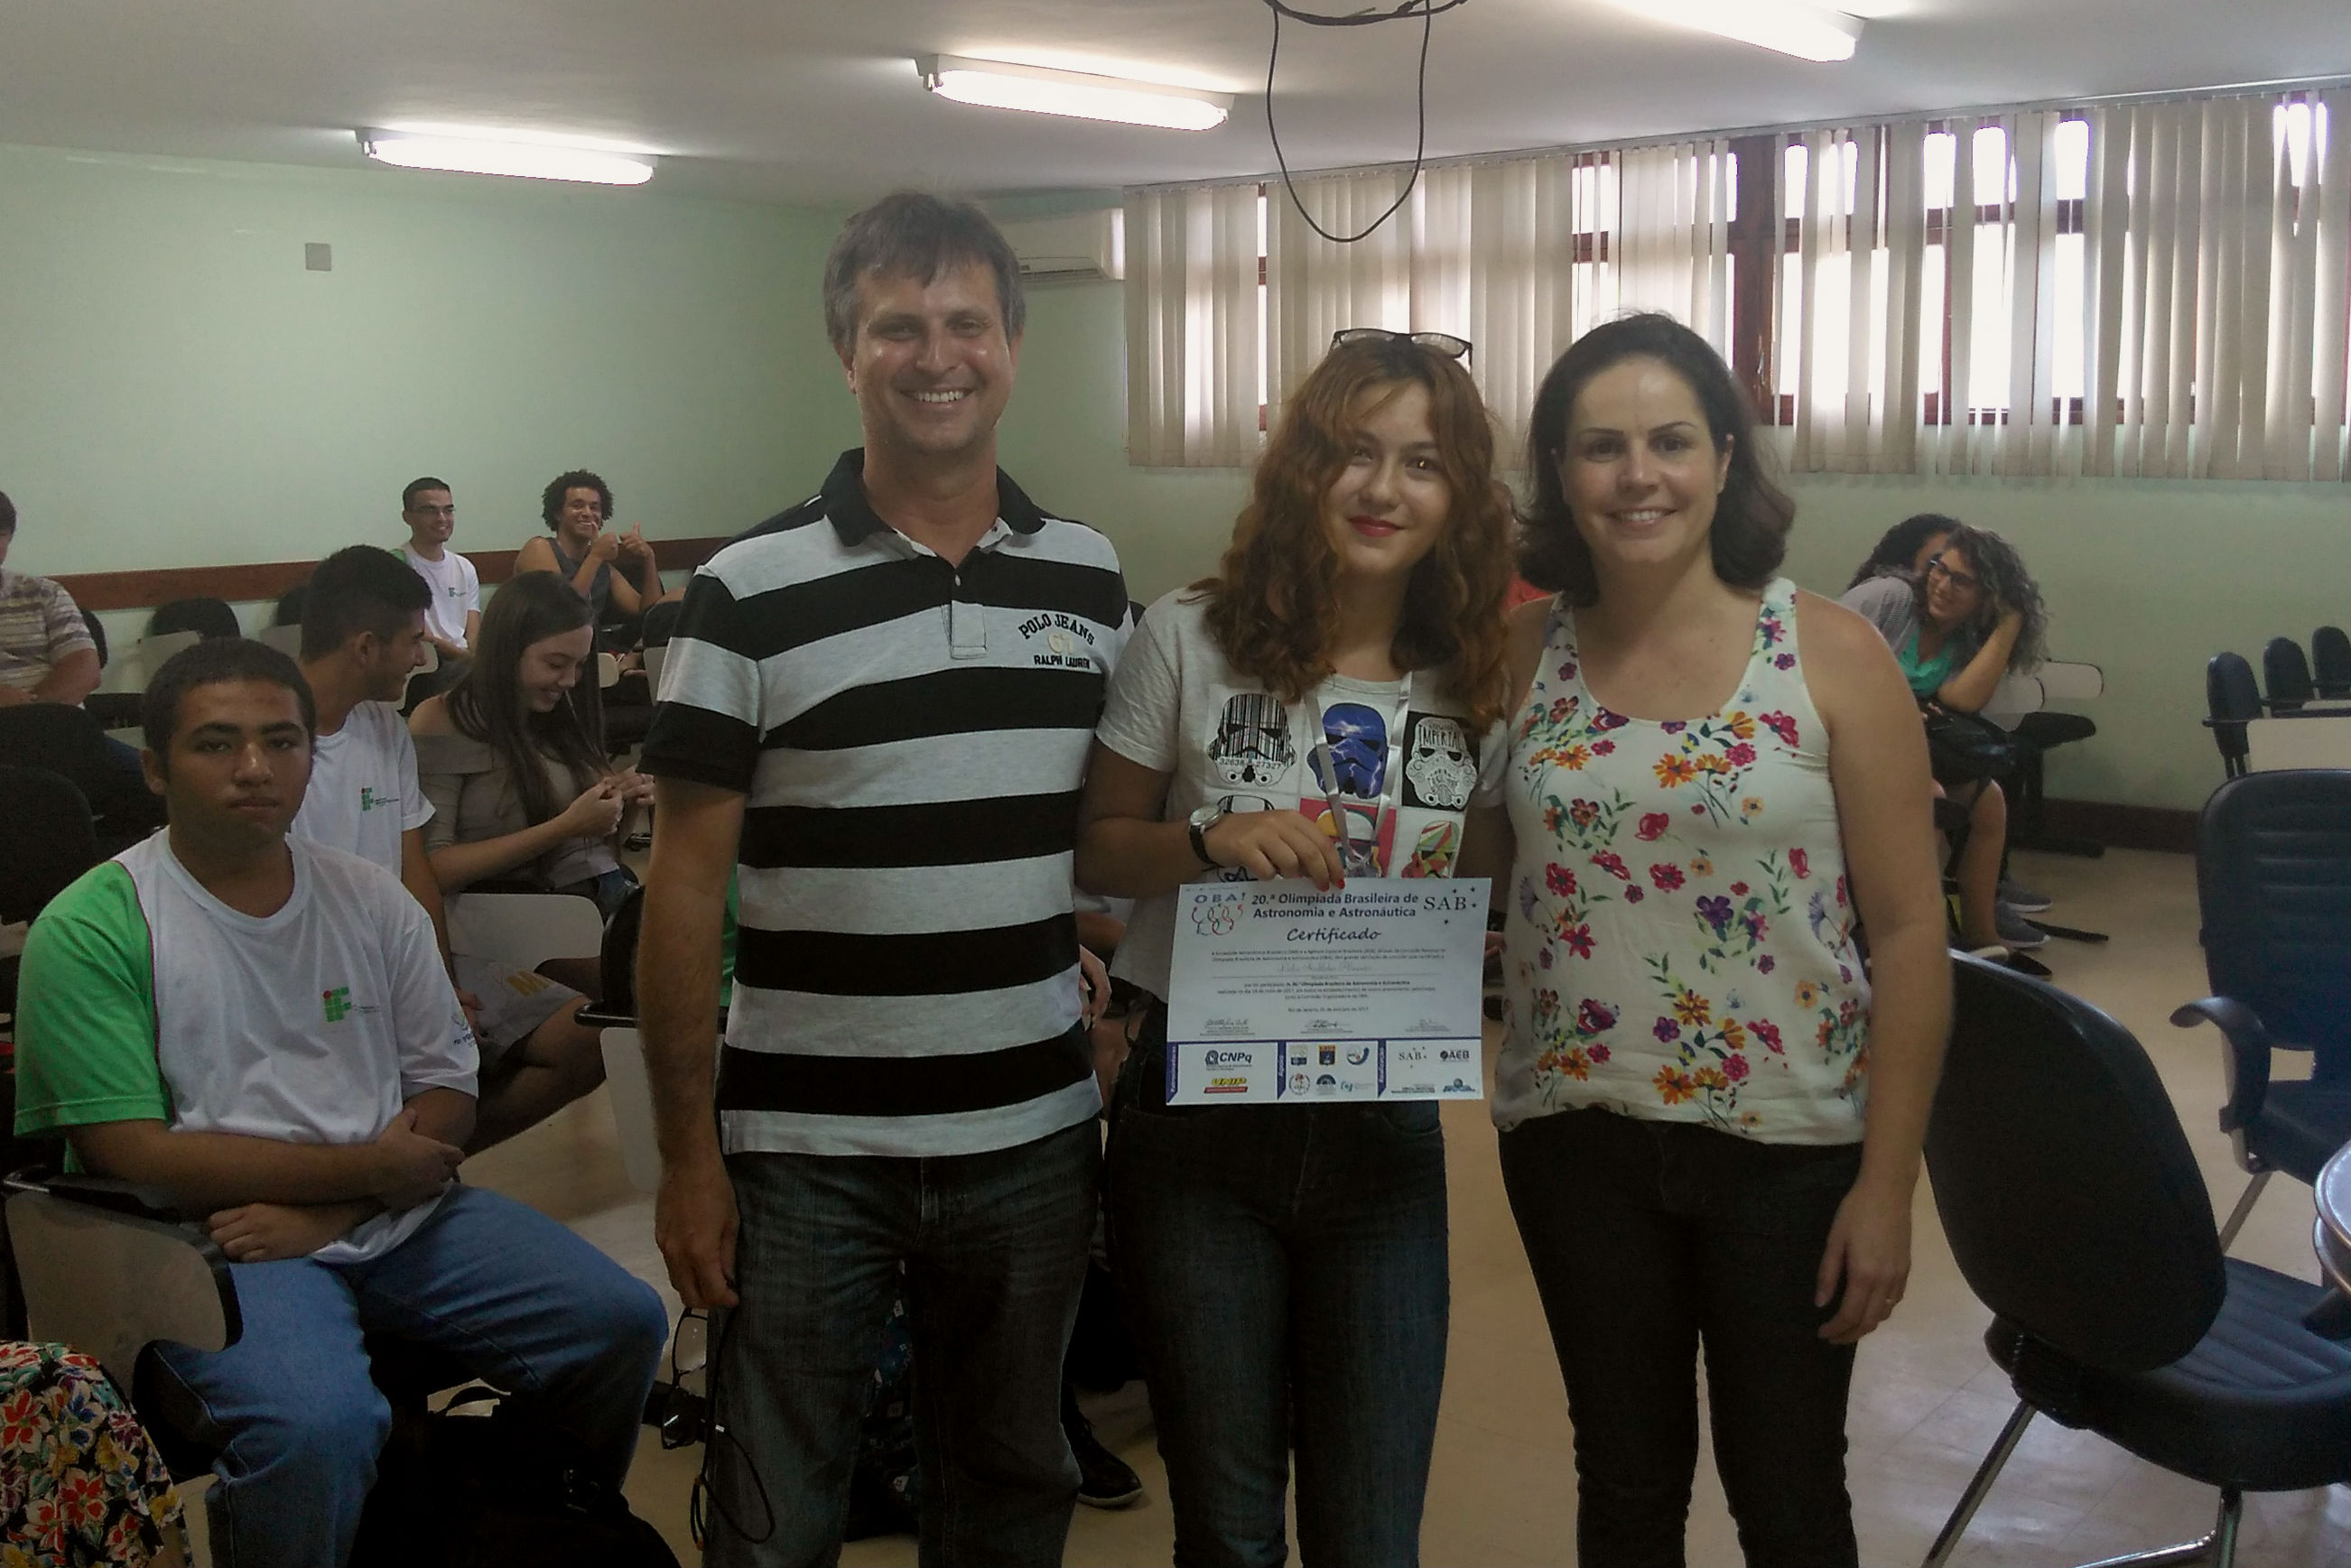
x=1406 y=763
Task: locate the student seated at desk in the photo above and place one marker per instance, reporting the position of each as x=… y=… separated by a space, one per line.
x=262 y=1028
x=361 y=635
x=1971 y=616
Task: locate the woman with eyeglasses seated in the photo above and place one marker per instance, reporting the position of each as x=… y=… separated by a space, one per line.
x=1284 y=1266
x=1957 y=627
x=1905 y=549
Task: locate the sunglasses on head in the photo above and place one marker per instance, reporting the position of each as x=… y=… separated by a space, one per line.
x=1445 y=343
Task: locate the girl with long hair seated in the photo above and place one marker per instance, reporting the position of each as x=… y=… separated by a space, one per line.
x=1284 y=1266
x=1712 y=1111
x=520 y=789
x=1970 y=615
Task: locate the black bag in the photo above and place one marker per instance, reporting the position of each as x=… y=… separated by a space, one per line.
x=501 y=1491
x=1963 y=746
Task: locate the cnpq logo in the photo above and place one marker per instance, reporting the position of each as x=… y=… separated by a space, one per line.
x=1228 y=1059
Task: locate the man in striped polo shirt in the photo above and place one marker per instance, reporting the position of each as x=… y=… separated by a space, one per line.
x=879 y=703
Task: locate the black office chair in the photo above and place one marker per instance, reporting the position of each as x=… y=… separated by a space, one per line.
x=288 y=611
x=2076 y=1214
x=2273 y=884
x=2330 y=662
x=46 y=841
x=2230 y=699
x=207 y=618
x=69 y=741
x=2285 y=674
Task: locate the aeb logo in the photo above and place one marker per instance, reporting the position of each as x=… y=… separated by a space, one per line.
x=1453 y=1055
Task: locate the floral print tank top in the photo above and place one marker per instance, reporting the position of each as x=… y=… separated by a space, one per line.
x=1680 y=936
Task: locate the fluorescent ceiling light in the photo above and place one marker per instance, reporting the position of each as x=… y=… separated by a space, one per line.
x=533 y=160
x=1042 y=91
x=1807 y=32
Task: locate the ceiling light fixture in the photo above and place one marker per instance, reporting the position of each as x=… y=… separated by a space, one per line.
x=1042 y=91
x=1807 y=32
x=530 y=159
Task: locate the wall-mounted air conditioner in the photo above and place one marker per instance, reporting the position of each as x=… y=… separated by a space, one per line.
x=1072 y=248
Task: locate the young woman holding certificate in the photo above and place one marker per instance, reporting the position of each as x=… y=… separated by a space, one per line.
x=1711 y=1109
x=1328 y=705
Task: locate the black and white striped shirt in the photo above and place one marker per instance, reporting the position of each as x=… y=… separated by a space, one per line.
x=911 y=736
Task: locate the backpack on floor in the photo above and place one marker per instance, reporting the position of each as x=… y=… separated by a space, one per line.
x=505 y=1489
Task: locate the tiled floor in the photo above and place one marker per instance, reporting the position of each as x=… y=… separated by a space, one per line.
x=1926 y=1402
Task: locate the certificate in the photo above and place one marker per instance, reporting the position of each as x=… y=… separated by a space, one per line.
x=1372 y=991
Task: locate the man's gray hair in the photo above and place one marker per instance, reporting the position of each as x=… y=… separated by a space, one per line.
x=919 y=236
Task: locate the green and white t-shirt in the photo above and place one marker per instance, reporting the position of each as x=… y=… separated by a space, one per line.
x=143 y=997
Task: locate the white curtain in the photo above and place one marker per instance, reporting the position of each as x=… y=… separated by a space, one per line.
x=2220 y=239
x=1195 y=353
x=2158 y=289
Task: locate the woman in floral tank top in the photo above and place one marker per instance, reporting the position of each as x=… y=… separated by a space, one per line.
x=1712 y=1107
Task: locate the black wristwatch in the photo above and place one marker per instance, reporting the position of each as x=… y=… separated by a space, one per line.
x=1197 y=825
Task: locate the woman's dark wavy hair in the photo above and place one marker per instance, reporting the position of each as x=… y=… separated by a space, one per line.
x=1993 y=561
x=486 y=702
x=1273 y=605
x=1899 y=547
x=1751 y=516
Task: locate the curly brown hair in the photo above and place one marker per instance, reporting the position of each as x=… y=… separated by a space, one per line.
x=1273 y=605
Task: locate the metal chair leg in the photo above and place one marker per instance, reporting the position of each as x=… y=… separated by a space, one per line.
x=2236 y=1216
x=1986 y=1473
x=2218 y=1546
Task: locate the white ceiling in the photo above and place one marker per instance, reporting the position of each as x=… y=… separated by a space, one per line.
x=817 y=100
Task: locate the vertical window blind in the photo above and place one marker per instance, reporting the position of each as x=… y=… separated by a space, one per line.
x=2152 y=288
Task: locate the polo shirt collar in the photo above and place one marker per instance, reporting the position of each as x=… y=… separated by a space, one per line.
x=855 y=520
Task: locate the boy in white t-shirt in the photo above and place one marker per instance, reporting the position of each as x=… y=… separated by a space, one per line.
x=362 y=633
x=262 y=1028
x=454 y=615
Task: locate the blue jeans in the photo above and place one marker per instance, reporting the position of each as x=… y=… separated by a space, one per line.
x=1649 y=1239
x=1284 y=1270
x=522 y=1301
x=993 y=1247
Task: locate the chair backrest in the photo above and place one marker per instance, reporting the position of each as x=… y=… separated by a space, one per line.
x=96 y=629
x=204 y=617
x=2231 y=698
x=2072 y=1201
x=45 y=839
x=290 y=603
x=660 y=623
x=2273 y=882
x=619 y=961
x=284 y=637
x=130 y=673
x=523 y=930
x=656 y=657
x=2285 y=674
x=2330 y=662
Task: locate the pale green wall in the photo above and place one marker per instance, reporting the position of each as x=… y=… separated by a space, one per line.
x=175 y=388
x=2146 y=579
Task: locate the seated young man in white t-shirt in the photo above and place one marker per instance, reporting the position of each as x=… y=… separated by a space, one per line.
x=262 y=1026
x=455 y=616
x=363 y=625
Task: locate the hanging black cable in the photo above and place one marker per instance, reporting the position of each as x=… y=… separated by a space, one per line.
x=1427 y=11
